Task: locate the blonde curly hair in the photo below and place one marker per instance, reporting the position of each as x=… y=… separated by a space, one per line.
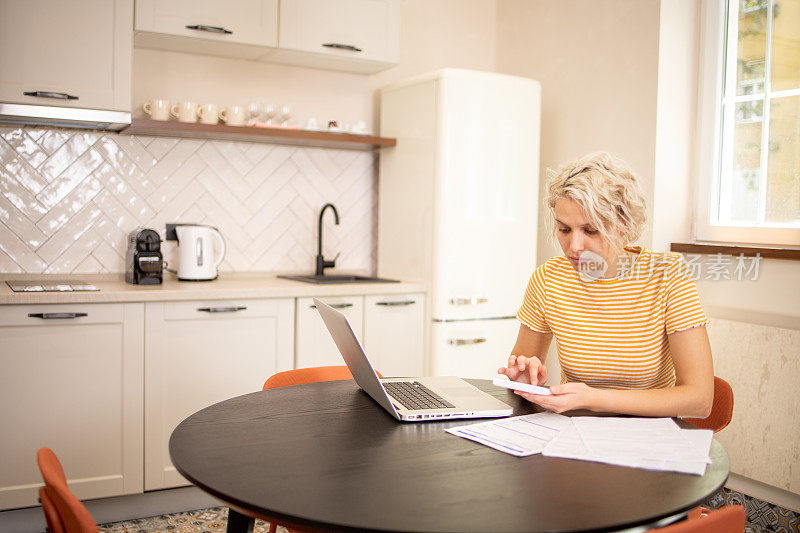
x=607 y=190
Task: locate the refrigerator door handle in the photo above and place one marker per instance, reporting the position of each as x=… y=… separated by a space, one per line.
x=468 y=301
x=464 y=342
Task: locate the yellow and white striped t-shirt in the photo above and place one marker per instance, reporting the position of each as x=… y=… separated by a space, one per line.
x=612 y=333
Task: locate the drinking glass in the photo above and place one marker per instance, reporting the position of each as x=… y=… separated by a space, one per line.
x=284 y=113
x=269 y=111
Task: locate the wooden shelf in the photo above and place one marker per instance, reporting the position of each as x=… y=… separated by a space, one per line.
x=772 y=252
x=321 y=139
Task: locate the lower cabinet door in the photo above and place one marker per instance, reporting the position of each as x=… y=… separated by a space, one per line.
x=394 y=333
x=199 y=353
x=315 y=347
x=71 y=380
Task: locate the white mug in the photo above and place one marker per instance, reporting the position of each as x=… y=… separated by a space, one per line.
x=234 y=115
x=185 y=111
x=157 y=109
x=208 y=113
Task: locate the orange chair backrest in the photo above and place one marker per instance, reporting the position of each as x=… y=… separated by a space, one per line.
x=721 y=409
x=314 y=374
x=725 y=520
x=66 y=512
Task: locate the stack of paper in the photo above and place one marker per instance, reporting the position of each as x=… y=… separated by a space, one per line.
x=650 y=443
x=518 y=435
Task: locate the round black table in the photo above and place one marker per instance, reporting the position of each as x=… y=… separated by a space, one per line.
x=325 y=456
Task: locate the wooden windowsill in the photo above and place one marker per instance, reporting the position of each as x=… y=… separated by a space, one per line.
x=297 y=137
x=771 y=252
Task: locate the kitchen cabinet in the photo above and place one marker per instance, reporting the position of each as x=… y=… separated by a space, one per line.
x=389 y=326
x=234 y=28
x=71 y=380
x=104 y=384
x=198 y=353
x=79 y=49
x=314 y=345
x=393 y=333
x=353 y=35
x=349 y=35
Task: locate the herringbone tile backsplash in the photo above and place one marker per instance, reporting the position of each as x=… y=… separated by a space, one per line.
x=69 y=198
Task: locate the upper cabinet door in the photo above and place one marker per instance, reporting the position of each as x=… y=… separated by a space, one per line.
x=239 y=28
x=342 y=34
x=80 y=48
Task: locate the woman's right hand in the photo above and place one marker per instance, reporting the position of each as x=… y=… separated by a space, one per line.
x=525 y=369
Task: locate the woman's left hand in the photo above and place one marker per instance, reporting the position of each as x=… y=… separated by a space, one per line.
x=564 y=397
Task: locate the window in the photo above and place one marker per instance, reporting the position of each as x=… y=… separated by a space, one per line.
x=749 y=128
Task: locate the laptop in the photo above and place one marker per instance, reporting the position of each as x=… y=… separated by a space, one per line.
x=409 y=399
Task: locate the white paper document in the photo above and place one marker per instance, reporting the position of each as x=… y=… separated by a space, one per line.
x=644 y=438
x=649 y=443
x=518 y=435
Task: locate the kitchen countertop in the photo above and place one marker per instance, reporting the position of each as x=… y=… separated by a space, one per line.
x=114 y=289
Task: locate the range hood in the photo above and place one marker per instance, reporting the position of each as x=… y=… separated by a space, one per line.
x=65 y=117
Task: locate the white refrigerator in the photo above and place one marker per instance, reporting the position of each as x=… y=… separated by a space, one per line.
x=458 y=201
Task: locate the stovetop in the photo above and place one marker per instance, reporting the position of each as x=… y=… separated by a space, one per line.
x=49 y=286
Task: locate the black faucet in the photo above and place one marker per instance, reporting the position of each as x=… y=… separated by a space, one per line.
x=322 y=264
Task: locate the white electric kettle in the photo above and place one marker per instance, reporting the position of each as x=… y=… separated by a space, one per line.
x=196 y=261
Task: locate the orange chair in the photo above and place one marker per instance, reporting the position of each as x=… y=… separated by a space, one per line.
x=63 y=511
x=315 y=374
x=721 y=409
x=300 y=376
x=725 y=520
x=720 y=417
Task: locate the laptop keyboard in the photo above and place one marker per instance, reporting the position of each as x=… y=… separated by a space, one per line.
x=415 y=395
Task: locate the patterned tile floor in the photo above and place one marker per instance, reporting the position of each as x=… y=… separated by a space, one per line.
x=762 y=517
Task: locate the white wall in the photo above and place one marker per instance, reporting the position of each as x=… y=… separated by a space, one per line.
x=678 y=63
x=598 y=66
x=442 y=33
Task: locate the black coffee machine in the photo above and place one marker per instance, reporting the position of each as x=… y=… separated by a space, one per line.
x=144 y=264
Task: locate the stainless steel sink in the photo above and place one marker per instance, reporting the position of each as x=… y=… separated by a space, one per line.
x=340 y=278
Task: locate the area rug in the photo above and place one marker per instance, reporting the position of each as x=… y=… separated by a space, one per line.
x=762 y=517
x=214 y=519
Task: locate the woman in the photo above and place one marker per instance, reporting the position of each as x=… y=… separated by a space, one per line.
x=629 y=327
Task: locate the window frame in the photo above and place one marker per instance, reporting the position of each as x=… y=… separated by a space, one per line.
x=709 y=136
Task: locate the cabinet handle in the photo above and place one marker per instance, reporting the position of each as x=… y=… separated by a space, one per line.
x=464 y=342
x=212 y=29
x=335 y=306
x=48 y=316
x=468 y=301
x=50 y=94
x=348 y=47
x=393 y=304
x=221 y=309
